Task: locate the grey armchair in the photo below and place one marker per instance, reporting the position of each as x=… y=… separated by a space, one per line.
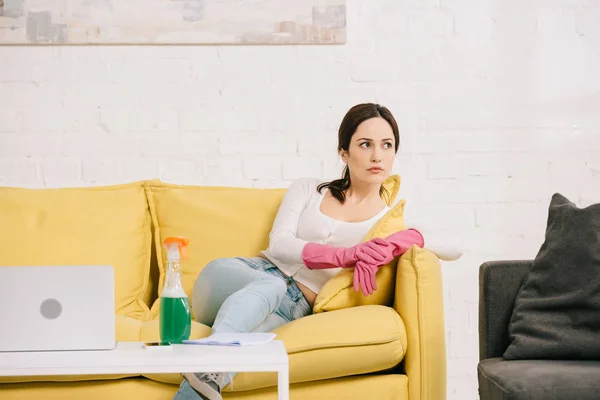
x=499 y=379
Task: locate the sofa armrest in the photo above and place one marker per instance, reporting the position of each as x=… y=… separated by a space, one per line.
x=499 y=284
x=419 y=299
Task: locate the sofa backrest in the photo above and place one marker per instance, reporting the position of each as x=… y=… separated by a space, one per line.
x=124 y=226
x=499 y=284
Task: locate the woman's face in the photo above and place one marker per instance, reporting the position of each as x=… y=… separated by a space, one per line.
x=370 y=156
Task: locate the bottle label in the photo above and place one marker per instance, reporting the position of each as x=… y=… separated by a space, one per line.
x=175 y=319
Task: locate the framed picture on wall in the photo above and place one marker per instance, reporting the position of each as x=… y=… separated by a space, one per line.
x=64 y=22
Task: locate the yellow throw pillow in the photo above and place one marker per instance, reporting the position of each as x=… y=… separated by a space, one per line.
x=338 y=292
x=218 y=221
x=82 y=226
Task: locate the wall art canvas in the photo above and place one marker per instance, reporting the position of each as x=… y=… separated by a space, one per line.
x=66 y=22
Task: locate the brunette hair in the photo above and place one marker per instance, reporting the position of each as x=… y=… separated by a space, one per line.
x=353 y=118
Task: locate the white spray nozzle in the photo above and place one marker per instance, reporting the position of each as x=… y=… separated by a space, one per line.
x=176 y=248
x=173 y=252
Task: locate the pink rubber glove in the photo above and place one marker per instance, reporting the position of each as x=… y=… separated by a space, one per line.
x=322 y=256
x=395 y=245
x=398 y=243
x=364 y=277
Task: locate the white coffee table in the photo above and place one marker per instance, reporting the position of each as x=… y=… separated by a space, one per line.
x=134 y=358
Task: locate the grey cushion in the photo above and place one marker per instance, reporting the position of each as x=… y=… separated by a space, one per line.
x=539 y=379
x=557 y=310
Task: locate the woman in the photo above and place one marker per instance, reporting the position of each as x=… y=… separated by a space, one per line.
x=318 y=230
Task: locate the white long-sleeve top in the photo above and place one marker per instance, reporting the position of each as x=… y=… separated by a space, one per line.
x=299 y=221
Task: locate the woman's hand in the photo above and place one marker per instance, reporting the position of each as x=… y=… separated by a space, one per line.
x=364 y=277
x=371 y=252
x=321 y=256
x=386 y=249
x=380 y=246
x=394 y=245
x=366 y=267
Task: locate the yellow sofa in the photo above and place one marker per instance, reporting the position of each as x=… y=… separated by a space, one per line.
x=387 y=346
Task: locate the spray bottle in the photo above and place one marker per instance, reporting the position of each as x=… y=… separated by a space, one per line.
x=175 y=314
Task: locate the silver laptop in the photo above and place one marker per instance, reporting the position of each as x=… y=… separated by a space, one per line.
x=57 y=308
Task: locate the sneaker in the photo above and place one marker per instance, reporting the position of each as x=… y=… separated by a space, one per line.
x=207 y=385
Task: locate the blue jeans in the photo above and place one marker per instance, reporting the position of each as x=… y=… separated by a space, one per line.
x=244 y=295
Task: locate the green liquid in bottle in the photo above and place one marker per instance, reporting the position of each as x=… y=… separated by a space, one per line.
x=175 y=320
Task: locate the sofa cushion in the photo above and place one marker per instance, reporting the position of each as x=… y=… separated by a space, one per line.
x=557 y=310
x=339 y=293
x=127 y=329
x=218 y=221
x=150 y=331
x=82 y=226
x=501 y=379
x=352 y=341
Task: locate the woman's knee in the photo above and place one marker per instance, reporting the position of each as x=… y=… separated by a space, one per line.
x=216 y=265
x=211 y=276
x=217 y=270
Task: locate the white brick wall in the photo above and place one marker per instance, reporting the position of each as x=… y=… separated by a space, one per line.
x=498 y=104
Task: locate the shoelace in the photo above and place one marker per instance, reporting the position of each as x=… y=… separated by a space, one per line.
x=219 y=378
